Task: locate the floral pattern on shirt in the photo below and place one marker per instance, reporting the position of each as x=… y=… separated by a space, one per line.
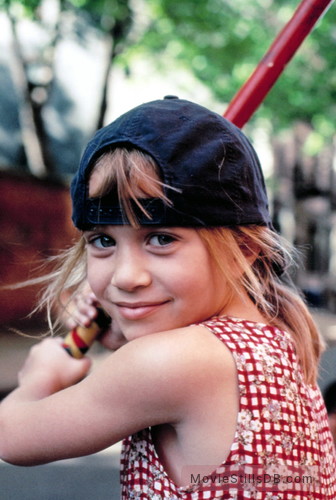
x=282 y=428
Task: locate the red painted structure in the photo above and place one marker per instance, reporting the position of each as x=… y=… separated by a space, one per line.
x=34 y=224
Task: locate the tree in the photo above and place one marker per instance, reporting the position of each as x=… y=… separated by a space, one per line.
x=222 y=42
x=34 y=76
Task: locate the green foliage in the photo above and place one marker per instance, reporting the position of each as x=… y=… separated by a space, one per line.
x=26 y=8
x=222 y=41
x=105 y=13
x=111 y=16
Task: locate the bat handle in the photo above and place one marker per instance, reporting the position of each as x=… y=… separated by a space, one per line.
x=79 y=340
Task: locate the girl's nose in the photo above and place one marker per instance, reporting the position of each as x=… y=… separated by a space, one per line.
x=130 y=273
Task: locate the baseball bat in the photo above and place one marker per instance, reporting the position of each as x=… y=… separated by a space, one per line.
x=281 y=51
x=79 y=340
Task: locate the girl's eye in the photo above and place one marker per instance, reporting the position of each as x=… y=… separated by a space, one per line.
x=101 y=241
x=160 y=240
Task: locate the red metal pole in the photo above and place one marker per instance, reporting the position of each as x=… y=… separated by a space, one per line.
x=251 y=94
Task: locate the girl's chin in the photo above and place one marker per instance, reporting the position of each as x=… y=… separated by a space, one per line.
x=112 y=340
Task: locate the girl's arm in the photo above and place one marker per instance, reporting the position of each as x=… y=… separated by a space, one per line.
x=152 y=380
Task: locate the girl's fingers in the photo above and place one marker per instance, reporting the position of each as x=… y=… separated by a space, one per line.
x=84 y=316
x=82 y=310
x=48 y=369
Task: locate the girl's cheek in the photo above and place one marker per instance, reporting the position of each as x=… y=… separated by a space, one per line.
x=97 y=279
x=96 y=286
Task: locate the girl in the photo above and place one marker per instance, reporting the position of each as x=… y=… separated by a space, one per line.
x=212 y=382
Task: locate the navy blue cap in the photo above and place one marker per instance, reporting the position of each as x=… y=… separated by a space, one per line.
x=199 y=153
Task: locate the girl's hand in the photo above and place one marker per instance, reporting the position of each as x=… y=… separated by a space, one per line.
x=81 y=309
x=49 y=369
x=112 y=338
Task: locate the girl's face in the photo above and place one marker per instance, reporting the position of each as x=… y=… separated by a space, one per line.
x=153 y=279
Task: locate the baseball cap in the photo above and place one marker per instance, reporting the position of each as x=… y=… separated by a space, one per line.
x=212 y=167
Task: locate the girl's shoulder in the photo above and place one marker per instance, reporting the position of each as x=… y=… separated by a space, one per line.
x=180 y=348
x=186 y=350
x=161 y=378
x=174 y=360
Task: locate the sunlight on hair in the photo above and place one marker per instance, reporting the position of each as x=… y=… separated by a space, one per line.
x=267 y=282
x=131 y=174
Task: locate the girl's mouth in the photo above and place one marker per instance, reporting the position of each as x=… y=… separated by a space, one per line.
x=138 y=310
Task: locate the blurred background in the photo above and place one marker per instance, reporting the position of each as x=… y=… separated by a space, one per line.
x=67 y=67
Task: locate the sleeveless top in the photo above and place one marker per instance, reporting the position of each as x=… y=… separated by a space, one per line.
x=282 y=448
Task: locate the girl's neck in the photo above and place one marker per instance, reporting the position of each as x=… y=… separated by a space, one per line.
x=244 y=309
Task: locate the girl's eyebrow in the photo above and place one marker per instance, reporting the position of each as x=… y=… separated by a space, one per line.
x=94 y=228
x=158 y=229
x=145 y=227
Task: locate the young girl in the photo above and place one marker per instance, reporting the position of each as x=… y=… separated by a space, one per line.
x=212 y=382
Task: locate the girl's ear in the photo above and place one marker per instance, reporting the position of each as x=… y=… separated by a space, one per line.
x=251 y=250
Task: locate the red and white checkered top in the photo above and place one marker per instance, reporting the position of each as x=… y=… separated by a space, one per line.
x=282 y=449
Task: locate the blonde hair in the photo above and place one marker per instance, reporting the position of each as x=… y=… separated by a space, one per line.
x=135 y=174
x=265 y=282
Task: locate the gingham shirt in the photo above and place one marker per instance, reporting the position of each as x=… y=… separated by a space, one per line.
x=282 y=449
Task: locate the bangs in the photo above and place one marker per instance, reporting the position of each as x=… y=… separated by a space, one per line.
x=128 y=175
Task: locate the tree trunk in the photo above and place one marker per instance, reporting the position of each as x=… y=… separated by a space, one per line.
x=30 y=136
